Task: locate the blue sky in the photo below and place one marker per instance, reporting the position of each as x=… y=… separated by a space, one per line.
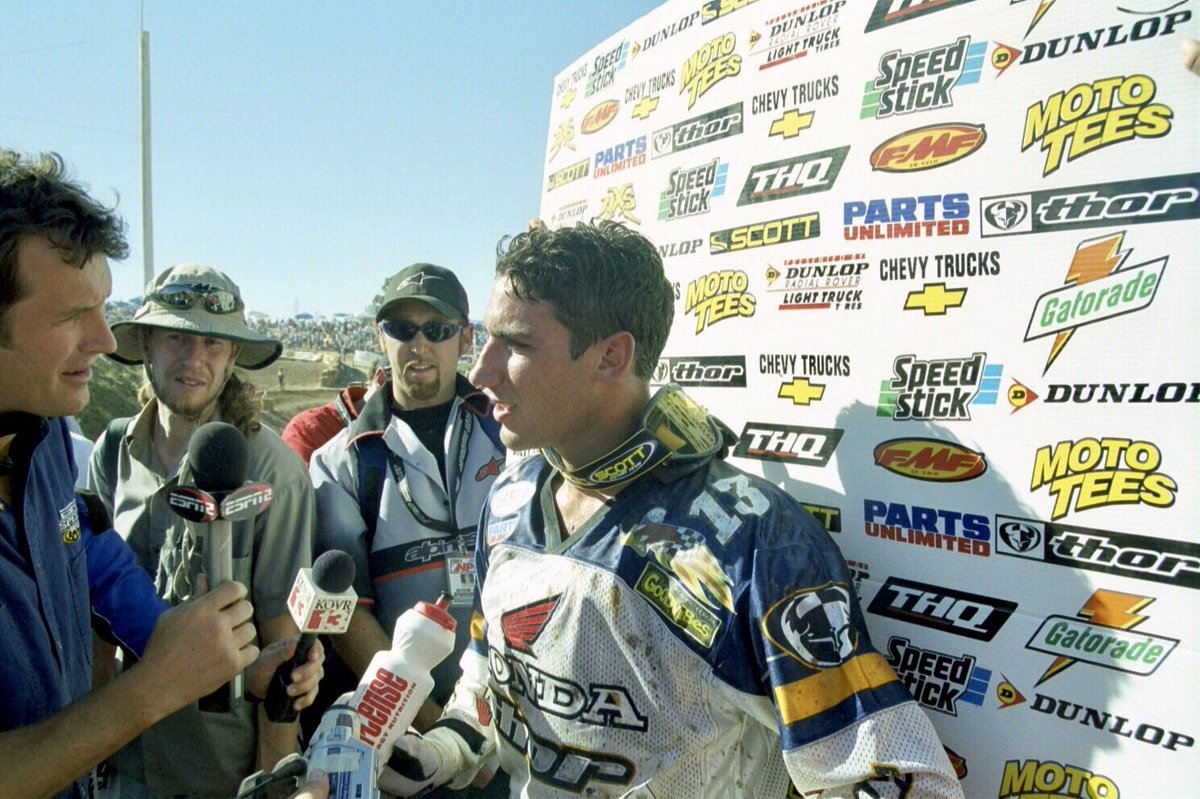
x=309 y=149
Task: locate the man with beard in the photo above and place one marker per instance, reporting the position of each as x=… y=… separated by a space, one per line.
x=189 y=334
x=401 y=488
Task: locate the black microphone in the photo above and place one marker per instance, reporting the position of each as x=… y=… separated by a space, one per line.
x=216 y=458
x=321 y=603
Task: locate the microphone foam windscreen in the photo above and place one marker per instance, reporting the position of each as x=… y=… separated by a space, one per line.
x=217 y=456
x=333 y=571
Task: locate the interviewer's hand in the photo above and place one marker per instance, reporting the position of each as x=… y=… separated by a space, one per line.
x=304 y=680
x=317 y=787
x=197 y=647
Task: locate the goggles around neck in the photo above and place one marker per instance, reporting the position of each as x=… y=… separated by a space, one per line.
x=182 y=296
x=673 y=426
x=434 y=332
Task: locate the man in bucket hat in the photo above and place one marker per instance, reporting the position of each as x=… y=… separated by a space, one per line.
x=401 y=488
x=189 y=335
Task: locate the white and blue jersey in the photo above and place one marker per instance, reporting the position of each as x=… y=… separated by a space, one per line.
x=698 y=637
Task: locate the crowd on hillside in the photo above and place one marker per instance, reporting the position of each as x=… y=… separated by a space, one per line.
x=345 y=334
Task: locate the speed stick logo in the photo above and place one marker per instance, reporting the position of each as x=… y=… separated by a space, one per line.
x=1073 y=123
x=1094 y=473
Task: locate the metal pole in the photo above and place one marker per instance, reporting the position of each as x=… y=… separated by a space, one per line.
x=147 y=202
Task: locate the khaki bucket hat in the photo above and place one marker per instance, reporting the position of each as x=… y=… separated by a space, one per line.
x=201 y=301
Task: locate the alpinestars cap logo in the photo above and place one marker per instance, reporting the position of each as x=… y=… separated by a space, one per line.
x=523 y=626
x=814 y=626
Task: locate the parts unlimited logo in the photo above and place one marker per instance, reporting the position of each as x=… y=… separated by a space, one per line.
x=935 y=679
x=1128 y=202
x=922 y=216
x=938 y=389
x=718 y=296
x=1097 y=472
x=1098 y=286
x=706 y=67
x=812 y=28
x=1102 y=634
x=619 y=157
x=1162 y=560
x=689 y=190
x=1075 y=122
x=791 y=177
x=938 y=608
x=1046 y=779
x=923 y=80
x=891 y=12
x=802 y=446
x=928 y=147
x=922 y=526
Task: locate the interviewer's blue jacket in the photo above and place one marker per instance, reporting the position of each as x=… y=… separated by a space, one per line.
x=57 y=577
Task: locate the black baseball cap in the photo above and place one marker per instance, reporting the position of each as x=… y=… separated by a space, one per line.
x=429 y=283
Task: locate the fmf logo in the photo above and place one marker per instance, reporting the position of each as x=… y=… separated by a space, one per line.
x=938 y=608
x=564 y=176
x=803 y=446
x=1101 y=634
x=927 y=147
x=1098 y=287
x=712 y=63
x=1163 y=560
x=765 y=234
x=712 y=371
x=1047 y=779
x=625 y=155
x=1128 y=202
x=939 y=389
x=891 y=12
x=790 y=177
x=929 y=215
x=599 y=116
x=1072 y=123
x=937 y=680
x=1095 y=473
x=718 y=296
x=922 y=81
x=703 y=129
x=935 y=528
x=619 y=203
x=930 y=459
x=812 y=28
x=689 y=190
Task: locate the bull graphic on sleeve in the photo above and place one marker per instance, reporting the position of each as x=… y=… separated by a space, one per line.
x=814 y=626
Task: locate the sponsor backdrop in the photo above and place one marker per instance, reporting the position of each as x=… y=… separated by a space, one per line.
x=936 y=262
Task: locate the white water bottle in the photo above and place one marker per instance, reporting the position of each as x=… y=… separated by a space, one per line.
x=398 y=681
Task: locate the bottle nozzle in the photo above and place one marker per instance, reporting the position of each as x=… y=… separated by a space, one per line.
x=443 y=601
